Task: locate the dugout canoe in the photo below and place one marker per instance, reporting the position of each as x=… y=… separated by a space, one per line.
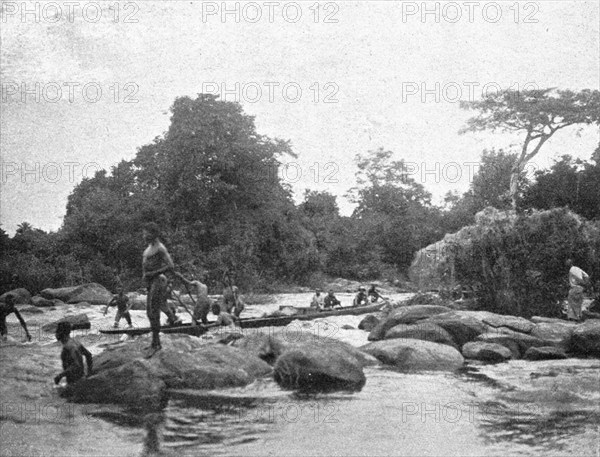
x=253 y=322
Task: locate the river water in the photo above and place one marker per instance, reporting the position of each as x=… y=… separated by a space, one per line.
x=515 y=408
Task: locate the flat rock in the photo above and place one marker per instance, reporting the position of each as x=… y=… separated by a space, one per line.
x=487 y=352
x=22 y=296
x=78 y=322
x=585 y=340
x=41 y=302
x=545 y=353
x=405 y=315
x=91 y=292
x=518 y=324
x=464 y=326
x=415 y=355
x=558 y=333
x=30 y=310
x=422 y=331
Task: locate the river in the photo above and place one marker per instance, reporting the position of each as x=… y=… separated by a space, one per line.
x=515 y=408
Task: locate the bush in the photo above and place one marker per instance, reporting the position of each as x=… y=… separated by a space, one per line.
x=516 y=263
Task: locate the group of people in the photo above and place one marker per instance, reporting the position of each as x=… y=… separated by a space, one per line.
x=362 y=298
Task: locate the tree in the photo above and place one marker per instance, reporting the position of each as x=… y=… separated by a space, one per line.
x=396 y=212
x=538 y=113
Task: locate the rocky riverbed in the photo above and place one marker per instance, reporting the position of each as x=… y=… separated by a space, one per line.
x=420 y=380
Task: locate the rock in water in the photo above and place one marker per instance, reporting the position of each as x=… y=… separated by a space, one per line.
x=22 y=296
x=368 y=323
x=92 y=293
x=462 y=325
x=545 y=353
x=415 y=355
x=585 y=340
x=518 y=324
x=134 y=384
x=318 y=370
x=559 y=333
x=487 y=352
x=41 y=302
x=405 y=315
x=78 y=322
x=421 y=331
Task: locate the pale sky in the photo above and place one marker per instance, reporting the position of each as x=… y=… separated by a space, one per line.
x=371 y=65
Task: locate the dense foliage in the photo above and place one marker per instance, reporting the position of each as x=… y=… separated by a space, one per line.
x=211 y=182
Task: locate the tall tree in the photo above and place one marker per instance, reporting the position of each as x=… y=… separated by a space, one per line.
x=538 y=114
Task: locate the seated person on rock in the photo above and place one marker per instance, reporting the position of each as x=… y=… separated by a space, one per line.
x=224 y=319
x=72 y=356
x=121 y=301
x=317 y=301
x=6 y=309
x=361 y=298
x=331 y=300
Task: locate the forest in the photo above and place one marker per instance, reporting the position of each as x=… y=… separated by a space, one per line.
x=208 y=182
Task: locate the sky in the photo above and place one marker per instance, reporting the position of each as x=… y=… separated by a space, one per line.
x=84 y=86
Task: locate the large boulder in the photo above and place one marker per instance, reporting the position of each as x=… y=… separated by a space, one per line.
x=309 y=369
x=415 y=355
x=462 y=325
x=487 y=352
x=92 y=293
x=421 y=331
x=559 y=333
x=270 y=347
x=41 y=302
x=585 y=340
x=509 y=338
x=78 y=322
x=545 y=353
x=368 y=323
x=135 y=384
x=405 y=315
x=186 y=362
x=22 y=296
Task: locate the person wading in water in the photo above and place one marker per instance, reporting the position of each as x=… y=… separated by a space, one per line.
x=156 y=262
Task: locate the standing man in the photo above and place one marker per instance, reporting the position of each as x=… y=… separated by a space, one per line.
x=232 y=300
x=578 y=280
x=203 y=302
x=6 y=309
x=156 y=262
x=121 y=301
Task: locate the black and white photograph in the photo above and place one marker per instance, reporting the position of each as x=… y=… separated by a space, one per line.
x=299 y=228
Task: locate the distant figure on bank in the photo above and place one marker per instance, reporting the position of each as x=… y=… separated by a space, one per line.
x=232 y=300
x=121 y=301
x=203 y=302
x=361 y=298
x=373 y=294
x=6 y=309
x=224 y=319
x=578 y=280
x=156 y=261
x=72 y=356
x=331 y=300
x=317 y=301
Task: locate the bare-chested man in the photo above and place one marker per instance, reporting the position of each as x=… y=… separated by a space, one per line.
x=7 y=308
x=232 y=301
x=156 y=262
x=203 y=302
